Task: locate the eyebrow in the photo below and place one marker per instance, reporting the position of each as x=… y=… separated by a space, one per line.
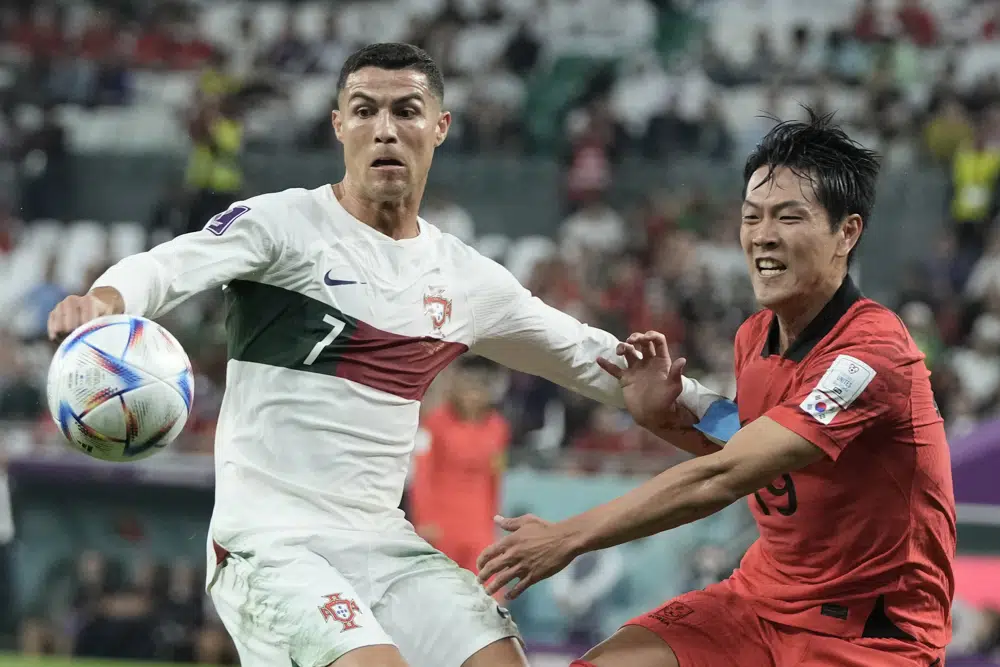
x=788 y=203
x=371 y=100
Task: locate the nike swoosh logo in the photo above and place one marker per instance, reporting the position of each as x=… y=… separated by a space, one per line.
x=334 y=283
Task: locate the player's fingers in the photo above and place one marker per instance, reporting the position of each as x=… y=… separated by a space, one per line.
x=676 y=370
x=488 y=554
x=510 y=525
x=88 y=310
x=659 y=344
x=53 y=323
x=74 y=315
x=522 y=584
x=500 y=581
x=611 y=368
x=64 y=318
x=493 y=566
x=632 y=355
x=645 y=348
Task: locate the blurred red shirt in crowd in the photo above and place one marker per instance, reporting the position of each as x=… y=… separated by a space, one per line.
x=457 y=477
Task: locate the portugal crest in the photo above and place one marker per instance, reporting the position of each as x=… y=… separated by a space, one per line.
x=437 y=307
x=342 y=610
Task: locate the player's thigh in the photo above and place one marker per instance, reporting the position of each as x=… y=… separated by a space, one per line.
x=823 y=651
x=708 y=628
x=295 y=608
x=632 y=646
x=437 y=613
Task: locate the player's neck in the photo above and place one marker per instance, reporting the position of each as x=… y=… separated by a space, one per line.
x=397 y=220
x=795 y=316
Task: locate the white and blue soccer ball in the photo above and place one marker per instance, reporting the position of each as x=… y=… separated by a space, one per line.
x=120 y=388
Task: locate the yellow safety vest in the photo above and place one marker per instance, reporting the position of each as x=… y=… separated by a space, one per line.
x=974 y=174
x=219 y=171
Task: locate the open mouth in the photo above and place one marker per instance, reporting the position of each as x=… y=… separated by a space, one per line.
x=386 y=162
x=768 y=267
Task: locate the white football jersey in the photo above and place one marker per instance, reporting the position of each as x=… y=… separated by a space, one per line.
x=334 y=333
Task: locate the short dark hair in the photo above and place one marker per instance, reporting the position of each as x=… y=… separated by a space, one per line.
x=394 y=55
x=841 y=171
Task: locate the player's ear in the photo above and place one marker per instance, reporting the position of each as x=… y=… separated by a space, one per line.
x=335 y=121
x=444 y=122
x=850 y=233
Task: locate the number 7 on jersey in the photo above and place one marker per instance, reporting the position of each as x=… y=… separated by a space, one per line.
x=336 y=327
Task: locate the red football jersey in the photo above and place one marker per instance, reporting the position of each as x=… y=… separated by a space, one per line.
x=861 y=543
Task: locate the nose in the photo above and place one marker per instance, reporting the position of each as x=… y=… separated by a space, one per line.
x=765 y=234
x=385 y=128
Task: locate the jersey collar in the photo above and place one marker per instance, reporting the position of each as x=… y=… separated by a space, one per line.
x=815 y=331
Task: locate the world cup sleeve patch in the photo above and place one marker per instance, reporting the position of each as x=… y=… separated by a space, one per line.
x=842 y=384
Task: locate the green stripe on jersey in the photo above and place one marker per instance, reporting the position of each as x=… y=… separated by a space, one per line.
x=280 y=327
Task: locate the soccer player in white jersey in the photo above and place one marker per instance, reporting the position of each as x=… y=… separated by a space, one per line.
x=342 y=306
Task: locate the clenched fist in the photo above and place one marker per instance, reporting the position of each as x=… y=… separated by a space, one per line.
x=74 y=311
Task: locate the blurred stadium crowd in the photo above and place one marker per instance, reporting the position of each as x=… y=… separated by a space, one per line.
x=651 y=78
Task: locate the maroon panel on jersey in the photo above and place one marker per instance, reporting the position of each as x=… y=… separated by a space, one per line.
x=400 y=365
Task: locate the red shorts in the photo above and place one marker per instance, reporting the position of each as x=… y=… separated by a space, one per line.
x=717 y=628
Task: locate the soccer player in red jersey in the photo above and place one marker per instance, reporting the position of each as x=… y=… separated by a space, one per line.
x=834 y=438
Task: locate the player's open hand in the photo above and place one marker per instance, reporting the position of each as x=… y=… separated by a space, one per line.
x=652 y=381
x=534 y=550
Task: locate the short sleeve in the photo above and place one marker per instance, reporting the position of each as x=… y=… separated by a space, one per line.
x=856 y=388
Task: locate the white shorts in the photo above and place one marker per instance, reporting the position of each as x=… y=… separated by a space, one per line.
x=306 y=601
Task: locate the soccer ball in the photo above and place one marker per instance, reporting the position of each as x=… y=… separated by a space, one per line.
x=120 y=388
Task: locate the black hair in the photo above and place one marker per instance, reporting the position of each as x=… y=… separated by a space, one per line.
x=841 y=171
x=395 y=56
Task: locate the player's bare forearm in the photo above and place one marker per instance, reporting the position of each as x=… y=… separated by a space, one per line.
x=758 y=453
x=112 y=297
x=685 y=493
x=678 y=429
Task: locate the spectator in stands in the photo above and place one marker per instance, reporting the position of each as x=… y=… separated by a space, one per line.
x=523 y=50
x=919 y=320
x=978 y=365
x=214 y=174
x=984 y=281
x=31 y=318
x=805 y=60
x=715 y=141
x=45 y=169
x=867 y=27
x=332 y=49
x=595 y=229
x=102 y=37
x=917 y=23
x=947 y=131
x=974 y=198
x=764 y=61
x=846 y=59
x=596 y=141
x=112 y=81
x=449 y=216
x=154 y=46
x=290 y=53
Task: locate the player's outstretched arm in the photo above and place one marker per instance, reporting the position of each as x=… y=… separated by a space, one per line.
x=234 y=243
x=753 y=457
x=520 y=331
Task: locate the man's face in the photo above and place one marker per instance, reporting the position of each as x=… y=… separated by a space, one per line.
x=389 y=123
x=786 y=237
